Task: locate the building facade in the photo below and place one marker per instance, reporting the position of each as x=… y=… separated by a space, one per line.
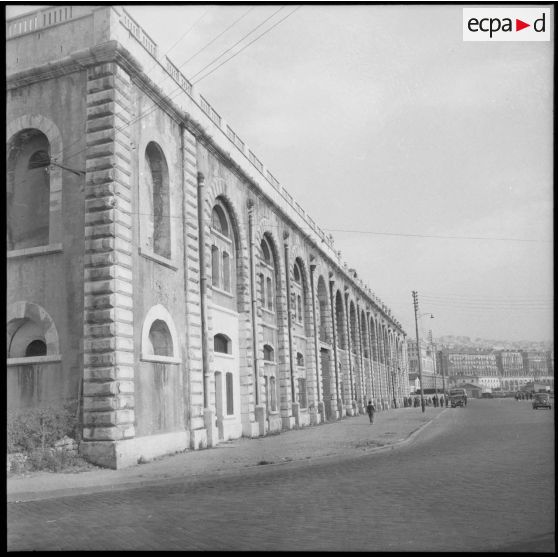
x=431 y=371
x=475 y=366
x=158 y=273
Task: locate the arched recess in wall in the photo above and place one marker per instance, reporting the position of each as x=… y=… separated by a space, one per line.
x=302 y=295
x=354 y=327
x=364 y=335
x=340 y=321
x=269 y=277
x=31 y=333
x=33 y=186
x=374 y=339
x=157 y=201
x=324 y=311
x=225 y=261
x=159 y=340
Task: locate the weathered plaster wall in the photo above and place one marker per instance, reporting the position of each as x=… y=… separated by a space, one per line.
x=54 y=280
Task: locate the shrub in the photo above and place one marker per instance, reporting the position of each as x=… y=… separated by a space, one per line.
x=33 y=429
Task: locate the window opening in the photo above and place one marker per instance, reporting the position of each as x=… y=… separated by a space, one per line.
x=230 y=401
x=160 y=338
x=221 y=344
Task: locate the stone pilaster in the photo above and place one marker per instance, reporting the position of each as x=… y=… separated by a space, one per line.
x=336 y=405
x=108 y=376
x=195 y=420
x=283 y=348
x=313 y=378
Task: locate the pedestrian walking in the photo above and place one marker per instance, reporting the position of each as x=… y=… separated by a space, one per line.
x=435 y=401
x=441 y=400
x=370 y=409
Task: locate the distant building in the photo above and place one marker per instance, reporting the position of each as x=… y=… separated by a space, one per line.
x=431 y=378
x=539 y=366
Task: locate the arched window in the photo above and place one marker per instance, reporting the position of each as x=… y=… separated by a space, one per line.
x=215 y=274
x=219 y=221
x=28 y=190
x=222 y=344
x=340 y=319
x=269 y=354
x=262 y=289
x=158 y=177
x=27 y=339
x=266 y=252
x=268 y=269
x=296 y=273
x=354 y=328
x=160 y=338
x=36 y=348
x=298 y=293
x=226 y=272
x=223 y=253
x=30 y=332
x=323 y=311
x=364 y=335
x=269 y=284
x=159 y=341
x=299 y=359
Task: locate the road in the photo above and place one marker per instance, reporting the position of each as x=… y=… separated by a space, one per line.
x=478 y=479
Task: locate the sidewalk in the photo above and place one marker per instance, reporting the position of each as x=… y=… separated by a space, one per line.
x=348 y=436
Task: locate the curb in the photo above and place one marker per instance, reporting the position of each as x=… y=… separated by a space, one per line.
x=33 y=496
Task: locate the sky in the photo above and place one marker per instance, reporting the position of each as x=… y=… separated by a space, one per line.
x=428 y=158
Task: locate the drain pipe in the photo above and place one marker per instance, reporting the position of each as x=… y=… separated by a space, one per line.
x=289 y=317
x=251 y=242
x=316 y=332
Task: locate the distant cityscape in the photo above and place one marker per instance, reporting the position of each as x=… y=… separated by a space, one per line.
x=459 y=341
x=481 y=365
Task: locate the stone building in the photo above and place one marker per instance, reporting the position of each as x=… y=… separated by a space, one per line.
x=538 y=367
x=431 y=372
x=511 y=370
x=158 y=273
x=476 y=366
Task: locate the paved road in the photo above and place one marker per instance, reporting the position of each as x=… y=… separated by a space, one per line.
x=479 y=479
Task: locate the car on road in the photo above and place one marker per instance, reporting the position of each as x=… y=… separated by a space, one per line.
x=458 y=397
x=541 y=400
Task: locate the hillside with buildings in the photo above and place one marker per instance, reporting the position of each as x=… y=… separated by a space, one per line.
x=464 y=342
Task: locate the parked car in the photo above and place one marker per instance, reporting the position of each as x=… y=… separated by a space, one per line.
x=541 y=400
x=458 y=397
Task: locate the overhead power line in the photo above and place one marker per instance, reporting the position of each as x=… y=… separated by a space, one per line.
x=218 y=36
x=444 y=237
x=253 y=30
x=246 y=46
x=484 y=298
x=168 y=97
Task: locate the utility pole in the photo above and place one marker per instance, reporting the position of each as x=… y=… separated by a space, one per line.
x=415 y=304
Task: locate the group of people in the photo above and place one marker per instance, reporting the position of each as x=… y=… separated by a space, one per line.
x=435 y=401
x=520 y=395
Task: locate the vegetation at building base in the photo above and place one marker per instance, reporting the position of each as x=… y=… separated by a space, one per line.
x=44 y=439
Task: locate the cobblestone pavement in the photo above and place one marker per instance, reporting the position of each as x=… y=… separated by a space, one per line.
x=350 y=435
x=478 y=479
